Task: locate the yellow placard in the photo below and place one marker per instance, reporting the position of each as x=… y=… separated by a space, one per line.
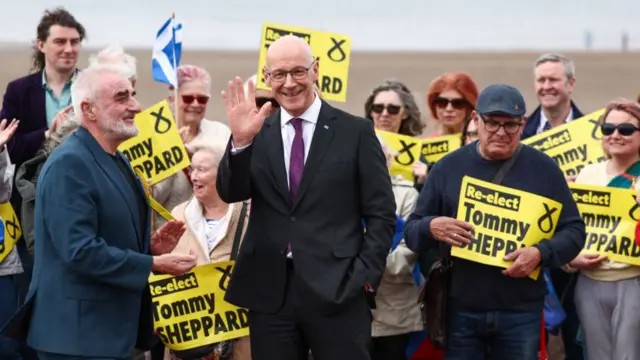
x=11 y=229
x=504 y=220
x=572 y=145
x=157 y=151
x=407 y=152
x=332 y=51
x=434 y=149
x=610 y=216
x=410 y=149
x=189 y=310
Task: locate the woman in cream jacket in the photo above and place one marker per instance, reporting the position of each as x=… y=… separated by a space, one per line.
x=397 y=312
x=211 y=223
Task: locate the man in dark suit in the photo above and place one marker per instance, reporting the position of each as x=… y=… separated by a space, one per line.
x=89 y=296
x=314 y=174
x=555 y=79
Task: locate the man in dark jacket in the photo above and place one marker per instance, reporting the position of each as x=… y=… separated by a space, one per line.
x=555 y=79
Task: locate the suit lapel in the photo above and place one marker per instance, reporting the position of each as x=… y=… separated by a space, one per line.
x=273 y=137
x=322 y=137
x=39 y=104
x=111 y=169
x=141 y=192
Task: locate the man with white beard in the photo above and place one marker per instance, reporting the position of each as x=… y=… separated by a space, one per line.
x=89 y=296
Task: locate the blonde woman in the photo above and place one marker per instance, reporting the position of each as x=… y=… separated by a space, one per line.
x=607 y=294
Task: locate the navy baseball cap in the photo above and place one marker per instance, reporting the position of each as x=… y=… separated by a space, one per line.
x=501 y=99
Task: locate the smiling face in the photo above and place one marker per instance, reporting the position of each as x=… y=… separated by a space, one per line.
x=387 y=111
x=61 y=48
x=552 y=86
x=291 y=72
x=203 y=176
x=193 y=99
x=617 y=144
x=115 y=108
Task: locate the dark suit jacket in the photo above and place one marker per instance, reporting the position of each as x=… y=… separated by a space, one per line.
x=91 y=264
x=24 y=100
x=345 y=180
x=533 y=121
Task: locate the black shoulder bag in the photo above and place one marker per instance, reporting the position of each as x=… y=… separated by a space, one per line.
x=224 y=349
x=435 y=293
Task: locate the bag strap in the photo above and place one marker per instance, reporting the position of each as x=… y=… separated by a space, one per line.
x=445 y=251
x=239 y=228
x=506 y=166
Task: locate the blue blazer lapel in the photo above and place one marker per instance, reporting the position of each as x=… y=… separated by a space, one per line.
x=111 y=169
x=147 y=228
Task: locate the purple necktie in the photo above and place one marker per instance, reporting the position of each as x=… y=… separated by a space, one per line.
x=296 y=161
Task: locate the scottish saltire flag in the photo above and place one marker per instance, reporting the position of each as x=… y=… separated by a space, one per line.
x=167 y=51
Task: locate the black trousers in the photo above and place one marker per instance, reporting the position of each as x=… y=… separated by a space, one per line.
x=296 y=328
x=390 y=347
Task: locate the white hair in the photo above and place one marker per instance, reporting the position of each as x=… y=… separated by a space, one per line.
x=254 y=79
x=87 y=85
x=114 y=57
x=215 y=149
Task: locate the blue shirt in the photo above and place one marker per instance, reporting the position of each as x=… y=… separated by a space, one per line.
x=53 y=103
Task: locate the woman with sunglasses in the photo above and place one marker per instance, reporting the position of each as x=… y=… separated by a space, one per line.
x=607 y=293
x=194 y=85
x=392 y=108
x=451 y=99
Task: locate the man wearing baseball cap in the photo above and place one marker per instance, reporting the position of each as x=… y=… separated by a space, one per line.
x=492 y=309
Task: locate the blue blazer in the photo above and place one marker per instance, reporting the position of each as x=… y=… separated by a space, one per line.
x=89 y=294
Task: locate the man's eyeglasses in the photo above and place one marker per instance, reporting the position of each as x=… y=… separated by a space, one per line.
x=391 y=109
x=189 y=99
x=263 y=100
x=624 y=129
x=297 y=73
x=492 y=126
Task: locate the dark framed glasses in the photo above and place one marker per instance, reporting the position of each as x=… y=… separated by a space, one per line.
x=458 y=104
x=624 y=129
x=263 y=100
x=492 y=126
x=189 y=99
x=391 y=109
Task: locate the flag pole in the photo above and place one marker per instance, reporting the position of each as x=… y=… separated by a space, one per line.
x=175 y=88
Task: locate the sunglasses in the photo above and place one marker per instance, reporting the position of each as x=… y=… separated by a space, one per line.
x=457 y=104
x=391 y=109
x=201 y=99
x=625 y=129
x=263 y=100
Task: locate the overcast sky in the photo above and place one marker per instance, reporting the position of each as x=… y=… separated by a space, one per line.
x=372 y=24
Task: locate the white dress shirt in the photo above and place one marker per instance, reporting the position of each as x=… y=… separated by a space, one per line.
x=309 y=121
x=544 y=120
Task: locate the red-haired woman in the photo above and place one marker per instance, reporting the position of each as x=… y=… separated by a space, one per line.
x=451 y=99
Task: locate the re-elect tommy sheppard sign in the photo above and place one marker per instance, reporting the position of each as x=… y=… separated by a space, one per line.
x=504 y=220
